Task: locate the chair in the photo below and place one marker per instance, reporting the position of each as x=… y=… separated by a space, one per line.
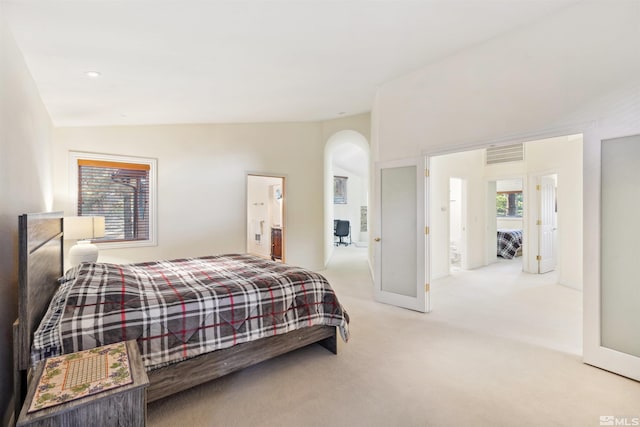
x=341 y=230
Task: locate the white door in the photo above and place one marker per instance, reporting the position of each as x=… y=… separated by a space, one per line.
x=400 y=235
x=612 y=294
x=546 y=224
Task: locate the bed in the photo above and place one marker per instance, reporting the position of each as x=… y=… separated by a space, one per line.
x=188 y=346
x=509 y=243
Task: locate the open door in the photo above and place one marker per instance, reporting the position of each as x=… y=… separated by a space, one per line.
x=547 y=258
x=612 y=297
x=401 y=235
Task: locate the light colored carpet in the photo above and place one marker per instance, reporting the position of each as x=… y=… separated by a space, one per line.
x=499 y=349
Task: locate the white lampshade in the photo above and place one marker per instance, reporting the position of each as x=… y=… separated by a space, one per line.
x=83 y=228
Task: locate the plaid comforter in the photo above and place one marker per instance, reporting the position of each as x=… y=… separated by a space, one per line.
x=509 y=241
x=182 y=308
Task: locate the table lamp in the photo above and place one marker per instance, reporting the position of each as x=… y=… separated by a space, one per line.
x=83 y=229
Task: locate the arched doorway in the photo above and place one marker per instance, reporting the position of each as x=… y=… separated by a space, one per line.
x=346 y=155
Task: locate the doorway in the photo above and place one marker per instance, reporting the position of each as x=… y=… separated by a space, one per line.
x=266 y=200
x=347 y=186
x=539 y=196
x=509 y=213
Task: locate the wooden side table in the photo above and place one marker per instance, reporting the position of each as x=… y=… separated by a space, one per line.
x=123 y=406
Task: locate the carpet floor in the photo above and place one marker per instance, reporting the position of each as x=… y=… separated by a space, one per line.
x=500 y=348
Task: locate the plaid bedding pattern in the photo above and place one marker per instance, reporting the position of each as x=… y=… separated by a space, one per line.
x=509 y=241
x=186 y=307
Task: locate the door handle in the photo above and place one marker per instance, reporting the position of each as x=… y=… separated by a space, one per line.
x=377 y=239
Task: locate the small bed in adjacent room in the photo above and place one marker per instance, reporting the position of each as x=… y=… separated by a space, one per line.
x=194 y=319
x=509 y=243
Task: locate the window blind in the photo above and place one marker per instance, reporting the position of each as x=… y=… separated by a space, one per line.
x=118 y=191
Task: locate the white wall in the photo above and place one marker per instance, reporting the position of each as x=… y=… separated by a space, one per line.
x=563 y=156
x=455 y=210
x=577 y=71
x=566 y=69
x=509 y=223
x=360 y=123
x=202 y=182
x=467 y=166
x=25 y=181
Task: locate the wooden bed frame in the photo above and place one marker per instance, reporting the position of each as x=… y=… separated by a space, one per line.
x=41 y=263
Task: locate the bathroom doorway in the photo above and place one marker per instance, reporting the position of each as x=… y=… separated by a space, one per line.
x=266 y=216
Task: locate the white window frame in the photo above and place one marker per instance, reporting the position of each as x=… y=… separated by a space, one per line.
x=74 y=156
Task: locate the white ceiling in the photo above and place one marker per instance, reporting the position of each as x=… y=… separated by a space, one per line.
x=351 y=158
x=213 y=61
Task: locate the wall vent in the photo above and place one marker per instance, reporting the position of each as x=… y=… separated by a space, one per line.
x=505 y=153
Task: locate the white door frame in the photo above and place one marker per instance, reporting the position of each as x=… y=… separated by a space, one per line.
x=421 y=301
x=284 y=207
x=591 y=201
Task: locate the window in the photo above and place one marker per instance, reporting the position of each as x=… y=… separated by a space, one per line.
x=509 y=204
x=340 y=189
x=121 y=189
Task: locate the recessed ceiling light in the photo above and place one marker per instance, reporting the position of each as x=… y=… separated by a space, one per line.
x=93 y=74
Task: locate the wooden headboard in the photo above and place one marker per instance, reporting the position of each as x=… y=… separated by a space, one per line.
x=41 y=263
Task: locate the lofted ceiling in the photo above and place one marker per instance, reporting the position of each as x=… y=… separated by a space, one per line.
x=353 y=159
x=214 y=61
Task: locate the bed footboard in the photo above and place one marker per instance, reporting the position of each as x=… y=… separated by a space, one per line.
x=198 y=370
